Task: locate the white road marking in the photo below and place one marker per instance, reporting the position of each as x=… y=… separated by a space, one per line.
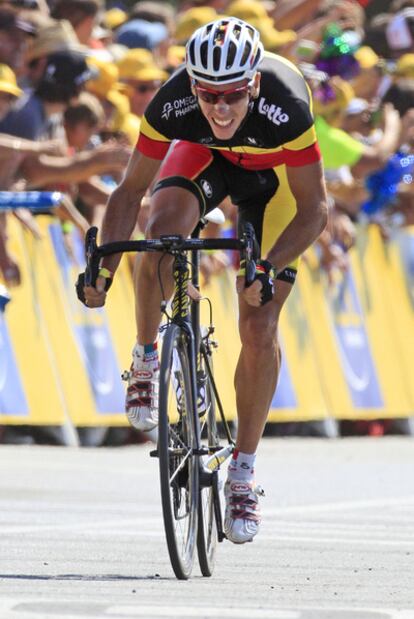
x=360 y=541
x=342 y=506
x=202 y=612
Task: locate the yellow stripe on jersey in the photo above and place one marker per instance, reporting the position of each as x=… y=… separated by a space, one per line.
x=303 y=141
x=149 y=131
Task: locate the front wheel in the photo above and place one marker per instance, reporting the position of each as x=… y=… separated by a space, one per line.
x=179 y=472
x=207 y=536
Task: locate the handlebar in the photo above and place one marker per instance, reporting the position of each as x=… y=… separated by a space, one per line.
x=246 y=245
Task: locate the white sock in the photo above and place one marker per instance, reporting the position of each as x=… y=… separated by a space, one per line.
x=241 y=466
x=145 y=356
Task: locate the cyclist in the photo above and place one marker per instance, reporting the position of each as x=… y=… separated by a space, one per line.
x=234 y=121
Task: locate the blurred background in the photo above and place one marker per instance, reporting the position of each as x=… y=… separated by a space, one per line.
x=75 y=79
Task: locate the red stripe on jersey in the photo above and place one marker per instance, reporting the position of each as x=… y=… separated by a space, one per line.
x=186 y=159
x=297 y=158
x=152 y=148
x=251 y=161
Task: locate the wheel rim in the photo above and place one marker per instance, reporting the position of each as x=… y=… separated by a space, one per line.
x=178 y=466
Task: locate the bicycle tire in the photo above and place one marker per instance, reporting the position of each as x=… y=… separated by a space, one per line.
x=207 y=536
x=178 y=466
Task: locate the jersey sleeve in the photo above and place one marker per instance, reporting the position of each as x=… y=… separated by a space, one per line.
x=151 y=143
x=303 y=150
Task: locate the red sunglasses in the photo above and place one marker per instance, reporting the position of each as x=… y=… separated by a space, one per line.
x=234 y=95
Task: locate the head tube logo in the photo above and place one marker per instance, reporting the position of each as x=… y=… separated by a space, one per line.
x=166 y=110
x=207 y=188
x=272 y=112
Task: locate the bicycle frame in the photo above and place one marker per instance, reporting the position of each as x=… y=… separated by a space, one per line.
x=177 y=246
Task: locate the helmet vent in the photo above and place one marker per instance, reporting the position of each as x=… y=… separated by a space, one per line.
x=246 y=53
x=216 y=58
x=204 y=54
x=231 y=54
x=191 y=52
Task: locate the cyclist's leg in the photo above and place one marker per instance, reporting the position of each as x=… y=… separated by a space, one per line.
x=175 y=208
x=259 y=361
x=189 y=184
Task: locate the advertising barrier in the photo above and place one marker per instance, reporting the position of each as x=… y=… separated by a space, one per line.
x=346 y=347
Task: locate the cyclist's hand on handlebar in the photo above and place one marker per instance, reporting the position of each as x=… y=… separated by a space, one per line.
x=261 y=290
x=253 y=294
x=93 y=296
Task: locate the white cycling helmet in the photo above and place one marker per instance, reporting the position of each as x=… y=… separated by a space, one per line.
x=224 y=51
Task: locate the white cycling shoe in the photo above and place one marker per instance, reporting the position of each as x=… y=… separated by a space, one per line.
x=242 y=515
x=141 y=404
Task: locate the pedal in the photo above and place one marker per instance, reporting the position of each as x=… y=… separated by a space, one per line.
x=259 y=491
x=153 y=453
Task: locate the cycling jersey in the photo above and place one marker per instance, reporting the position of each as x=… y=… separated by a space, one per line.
x=277 y=131
x=278 y=128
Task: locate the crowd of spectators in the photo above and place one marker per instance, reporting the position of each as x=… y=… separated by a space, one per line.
x=77 y=75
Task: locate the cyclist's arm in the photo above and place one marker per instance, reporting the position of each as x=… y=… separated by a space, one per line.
x=124 y=203
x=308 y=187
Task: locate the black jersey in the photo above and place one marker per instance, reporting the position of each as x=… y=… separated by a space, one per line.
x=278 y=128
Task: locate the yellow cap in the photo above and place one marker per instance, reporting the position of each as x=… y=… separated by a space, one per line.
x=130 y=126
x=8 y=82
x=176 y=55
x=192 y=19
x=114 y=18
x=344 y=93
x=405 y=66
x=247 y=10
x=121 y=102
x=366 y=57
x=106 y=79
x=138 y=64
x=271 y=38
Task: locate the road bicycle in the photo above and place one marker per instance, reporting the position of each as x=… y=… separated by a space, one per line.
x=189 y=447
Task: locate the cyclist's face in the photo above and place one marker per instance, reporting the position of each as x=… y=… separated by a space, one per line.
x=225 y=106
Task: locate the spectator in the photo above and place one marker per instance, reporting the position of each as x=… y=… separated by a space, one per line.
x=399 y=32
x=373 y=77
x=154 y=12
x=116 y=105
x=34 y=115
x=331 y=99
x=82 y=14
x=8 y=92
x=57 y=36
x=190 y=20
x=256 y=14
x=113 y=18
x=142 y=77
x=13 y=38
x=81 y=120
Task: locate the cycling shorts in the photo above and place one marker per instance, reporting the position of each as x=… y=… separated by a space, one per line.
x=263 y=197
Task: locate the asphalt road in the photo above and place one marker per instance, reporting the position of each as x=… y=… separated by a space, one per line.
x=82 y=536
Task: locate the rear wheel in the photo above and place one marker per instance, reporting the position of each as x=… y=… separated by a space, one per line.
x=207 y=536
x=179 y=468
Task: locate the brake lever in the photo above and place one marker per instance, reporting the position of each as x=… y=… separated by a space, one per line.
x=92 y=257
x=250 y=253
